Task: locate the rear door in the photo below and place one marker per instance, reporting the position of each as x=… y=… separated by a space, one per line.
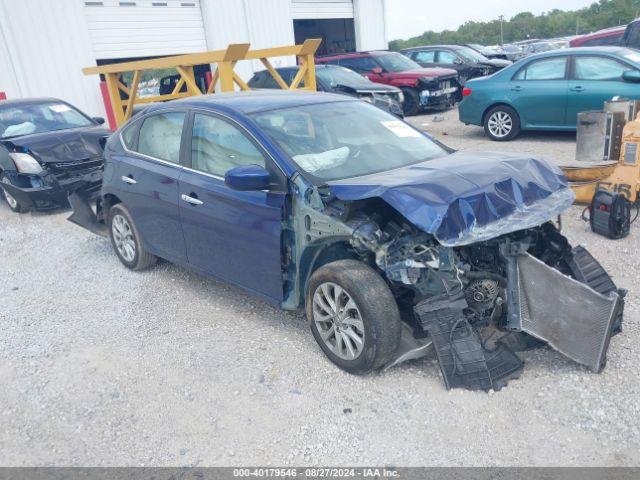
x=594 y=80
x=234 y=235
x=147 y=179
x=538 y=91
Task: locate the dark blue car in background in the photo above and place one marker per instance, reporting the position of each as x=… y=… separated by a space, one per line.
x=390 y=241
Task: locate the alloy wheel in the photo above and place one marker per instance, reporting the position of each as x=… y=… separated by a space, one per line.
x=123 y=237
x=500 y=124
x=338 y=321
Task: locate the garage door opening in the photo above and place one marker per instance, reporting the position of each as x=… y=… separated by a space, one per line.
x=338 y=34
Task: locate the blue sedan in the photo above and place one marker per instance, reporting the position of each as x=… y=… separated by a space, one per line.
x=548 y=90
x=326 y=203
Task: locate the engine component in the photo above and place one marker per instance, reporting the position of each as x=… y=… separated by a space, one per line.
x=481 y=295
x=463 y=360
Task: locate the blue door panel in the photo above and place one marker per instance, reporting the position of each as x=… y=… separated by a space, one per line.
x=153 y=203
x=233 y=235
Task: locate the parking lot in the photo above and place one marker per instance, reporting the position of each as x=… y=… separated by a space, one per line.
x=105 y=366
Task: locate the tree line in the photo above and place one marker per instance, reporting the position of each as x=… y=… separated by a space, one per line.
x=525 y=25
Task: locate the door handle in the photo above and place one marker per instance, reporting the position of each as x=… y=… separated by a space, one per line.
x=517 y=89
x=577 y=89
x=191 y=200
x=128 y=180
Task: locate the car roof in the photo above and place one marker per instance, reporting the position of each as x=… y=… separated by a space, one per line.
x=295 y=68
x=570 y=51
x=452 y=47
x=354 y=54
x=25 y=101
x=253 y=101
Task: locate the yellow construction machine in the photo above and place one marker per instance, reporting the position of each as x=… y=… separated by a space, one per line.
x=621 y=177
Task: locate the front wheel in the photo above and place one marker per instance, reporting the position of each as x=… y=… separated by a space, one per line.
x=411 y=104
x=502 y=123
x=353 y=316
x=126 y=241
x=13 y=203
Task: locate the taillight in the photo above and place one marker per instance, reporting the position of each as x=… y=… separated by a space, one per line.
x=466 y=91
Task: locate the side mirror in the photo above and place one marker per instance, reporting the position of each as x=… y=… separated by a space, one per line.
x=632 y=76
x=248 y=177
x=98 y=120
x=457 y=61
x=377 y=71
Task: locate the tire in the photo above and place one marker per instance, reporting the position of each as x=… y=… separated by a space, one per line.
x=126 y=240
x=502 y=123
x=13 y=203
x=375 y=308
x=411 y=104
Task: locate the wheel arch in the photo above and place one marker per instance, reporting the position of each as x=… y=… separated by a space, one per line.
x=498 y=104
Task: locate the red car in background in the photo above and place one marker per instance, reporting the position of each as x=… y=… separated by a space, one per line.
x=422 y=87
x=606 y=37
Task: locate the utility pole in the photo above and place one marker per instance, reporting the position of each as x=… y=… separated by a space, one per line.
x=501 y=18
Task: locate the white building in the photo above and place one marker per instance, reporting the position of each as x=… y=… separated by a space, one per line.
x=44 y=44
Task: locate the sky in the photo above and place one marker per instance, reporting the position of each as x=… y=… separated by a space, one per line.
x=408 y=18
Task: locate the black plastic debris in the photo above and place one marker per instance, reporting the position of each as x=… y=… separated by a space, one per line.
x=464 y=361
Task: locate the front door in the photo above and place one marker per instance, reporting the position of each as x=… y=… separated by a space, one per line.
x=147 y=176
x=538 y=91
x=594 y=80
x=233 y=235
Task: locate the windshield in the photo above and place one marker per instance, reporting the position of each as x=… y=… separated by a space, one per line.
x=28 y=118
x=332 y=141
x=472 y=55
x=396 y=62
x=334 y=76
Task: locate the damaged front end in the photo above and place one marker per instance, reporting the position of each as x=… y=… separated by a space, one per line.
x=476 y=281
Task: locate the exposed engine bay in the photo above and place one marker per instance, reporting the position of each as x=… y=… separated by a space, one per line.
x=478 y=304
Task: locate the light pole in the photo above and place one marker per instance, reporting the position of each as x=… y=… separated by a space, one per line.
x=501 y=18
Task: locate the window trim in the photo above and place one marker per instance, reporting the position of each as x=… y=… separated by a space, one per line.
x=572 y=69
x=568 y=63
x=141 y=120
x=282 y=177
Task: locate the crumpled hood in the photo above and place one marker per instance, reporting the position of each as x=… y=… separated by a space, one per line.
x=61 y=146
x=496 y=63
x=467 y=197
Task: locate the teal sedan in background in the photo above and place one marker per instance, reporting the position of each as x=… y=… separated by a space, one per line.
x=546 y=91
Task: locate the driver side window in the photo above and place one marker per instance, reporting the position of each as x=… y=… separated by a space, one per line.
x=217 y=146
x=446 y=57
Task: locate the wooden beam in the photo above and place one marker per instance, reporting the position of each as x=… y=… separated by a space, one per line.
x=187 y=75
x=274 y=73
x=133 y=91
x=114 y=93
x=299 y=76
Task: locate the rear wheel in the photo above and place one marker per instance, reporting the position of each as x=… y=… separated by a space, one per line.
x=502 y=123
x=126 y=241
x=411 y=104
x=13 y=203
x=353 y=316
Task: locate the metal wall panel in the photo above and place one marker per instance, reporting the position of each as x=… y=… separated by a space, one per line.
x=143 y=28
x=316 y=9
x=48 y=45
x=262 y=23
x=369 y=19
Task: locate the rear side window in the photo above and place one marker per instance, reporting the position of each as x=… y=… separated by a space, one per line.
x=446 y=57
x=595 y=42
x=160 y=136
x=632 y=35
x=129 y=136
x=547 y=69
x=598 y=68
x=428 y=56
x=359 y=64
x=217 y=146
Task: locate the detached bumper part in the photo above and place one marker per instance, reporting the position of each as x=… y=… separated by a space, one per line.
x=570 y=316
x=463 y=359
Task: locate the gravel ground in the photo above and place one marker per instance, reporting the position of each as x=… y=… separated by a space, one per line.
x=102 y=366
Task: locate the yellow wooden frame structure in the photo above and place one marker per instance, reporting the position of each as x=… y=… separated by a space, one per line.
x=225 y=61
